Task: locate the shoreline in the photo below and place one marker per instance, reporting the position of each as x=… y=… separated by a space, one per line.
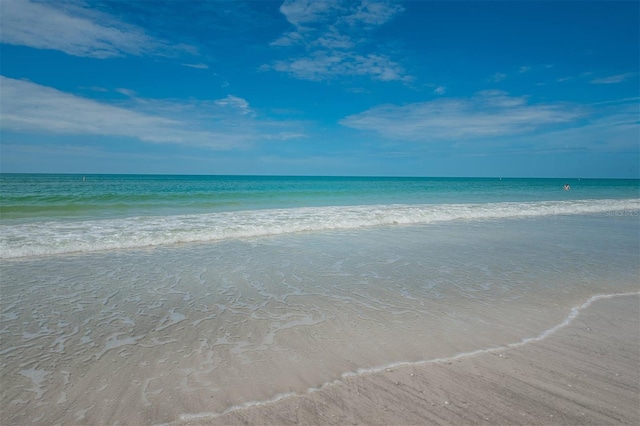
x=25 y=240
x=527 y=382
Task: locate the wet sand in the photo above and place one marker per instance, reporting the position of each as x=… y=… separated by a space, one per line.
x=587 y=373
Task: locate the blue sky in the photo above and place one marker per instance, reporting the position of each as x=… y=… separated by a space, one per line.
x=300 y=87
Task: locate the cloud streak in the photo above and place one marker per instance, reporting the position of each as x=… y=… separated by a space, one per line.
x=236 y=103
x=76 y=31
x=199 y=66
x=614 y=79
x=220 y=125
x=612 y=128
x=335 y=36
x=487 y=114
x=321 y=65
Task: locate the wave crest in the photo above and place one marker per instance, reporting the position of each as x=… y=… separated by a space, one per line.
x=58 y=237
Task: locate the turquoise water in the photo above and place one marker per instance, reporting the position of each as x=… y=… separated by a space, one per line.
x=55 y=214
x=42 y=197
x=164 y=299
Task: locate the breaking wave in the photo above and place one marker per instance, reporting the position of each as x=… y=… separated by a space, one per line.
x=58 y=237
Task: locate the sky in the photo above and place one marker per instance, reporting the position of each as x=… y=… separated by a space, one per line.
x=321 y=87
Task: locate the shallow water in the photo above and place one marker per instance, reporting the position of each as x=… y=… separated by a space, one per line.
x=149 y=335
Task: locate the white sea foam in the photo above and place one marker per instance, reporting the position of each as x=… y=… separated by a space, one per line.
x=57 y=237
x=575 y=311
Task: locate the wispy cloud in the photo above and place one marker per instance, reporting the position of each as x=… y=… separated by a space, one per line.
x=494 y=122
x=335 y=35
x=220 y=124
x=487 y=114
x=497 y=77
x=322 y=65
x=126 y=92
x=301 y=12
x=76 y=31
x=197 y=66
x=440 y=90
x=613 y=79
x=236 y=103
x=612 y=127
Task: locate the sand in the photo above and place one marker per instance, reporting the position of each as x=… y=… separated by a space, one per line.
x=584 y=373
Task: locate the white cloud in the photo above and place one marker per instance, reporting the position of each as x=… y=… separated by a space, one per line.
x=197 y=66
x=126 y=92
x=74 y=30
x=235 y=102
x=27 y=107
x=299 y=12
x=332 y=39
x=440 y=90
x=613 y=79
x=325 y=65
x=288 y=39
x=335 y=36
x=612 y=127
x=488 y=114
x=373 y=12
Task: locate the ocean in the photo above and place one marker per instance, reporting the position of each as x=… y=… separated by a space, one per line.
x=172 y=298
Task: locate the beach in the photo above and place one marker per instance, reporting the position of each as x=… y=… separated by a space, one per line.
x=319 y=212
x=155 y=300
x=585 y=373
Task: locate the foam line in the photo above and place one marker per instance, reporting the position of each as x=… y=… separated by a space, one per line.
x=51 y=238
x=575 y=311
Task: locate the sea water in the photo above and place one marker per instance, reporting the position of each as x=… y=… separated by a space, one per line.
x=151 y=299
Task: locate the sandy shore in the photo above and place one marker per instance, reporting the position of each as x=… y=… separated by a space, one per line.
x=585 y=373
